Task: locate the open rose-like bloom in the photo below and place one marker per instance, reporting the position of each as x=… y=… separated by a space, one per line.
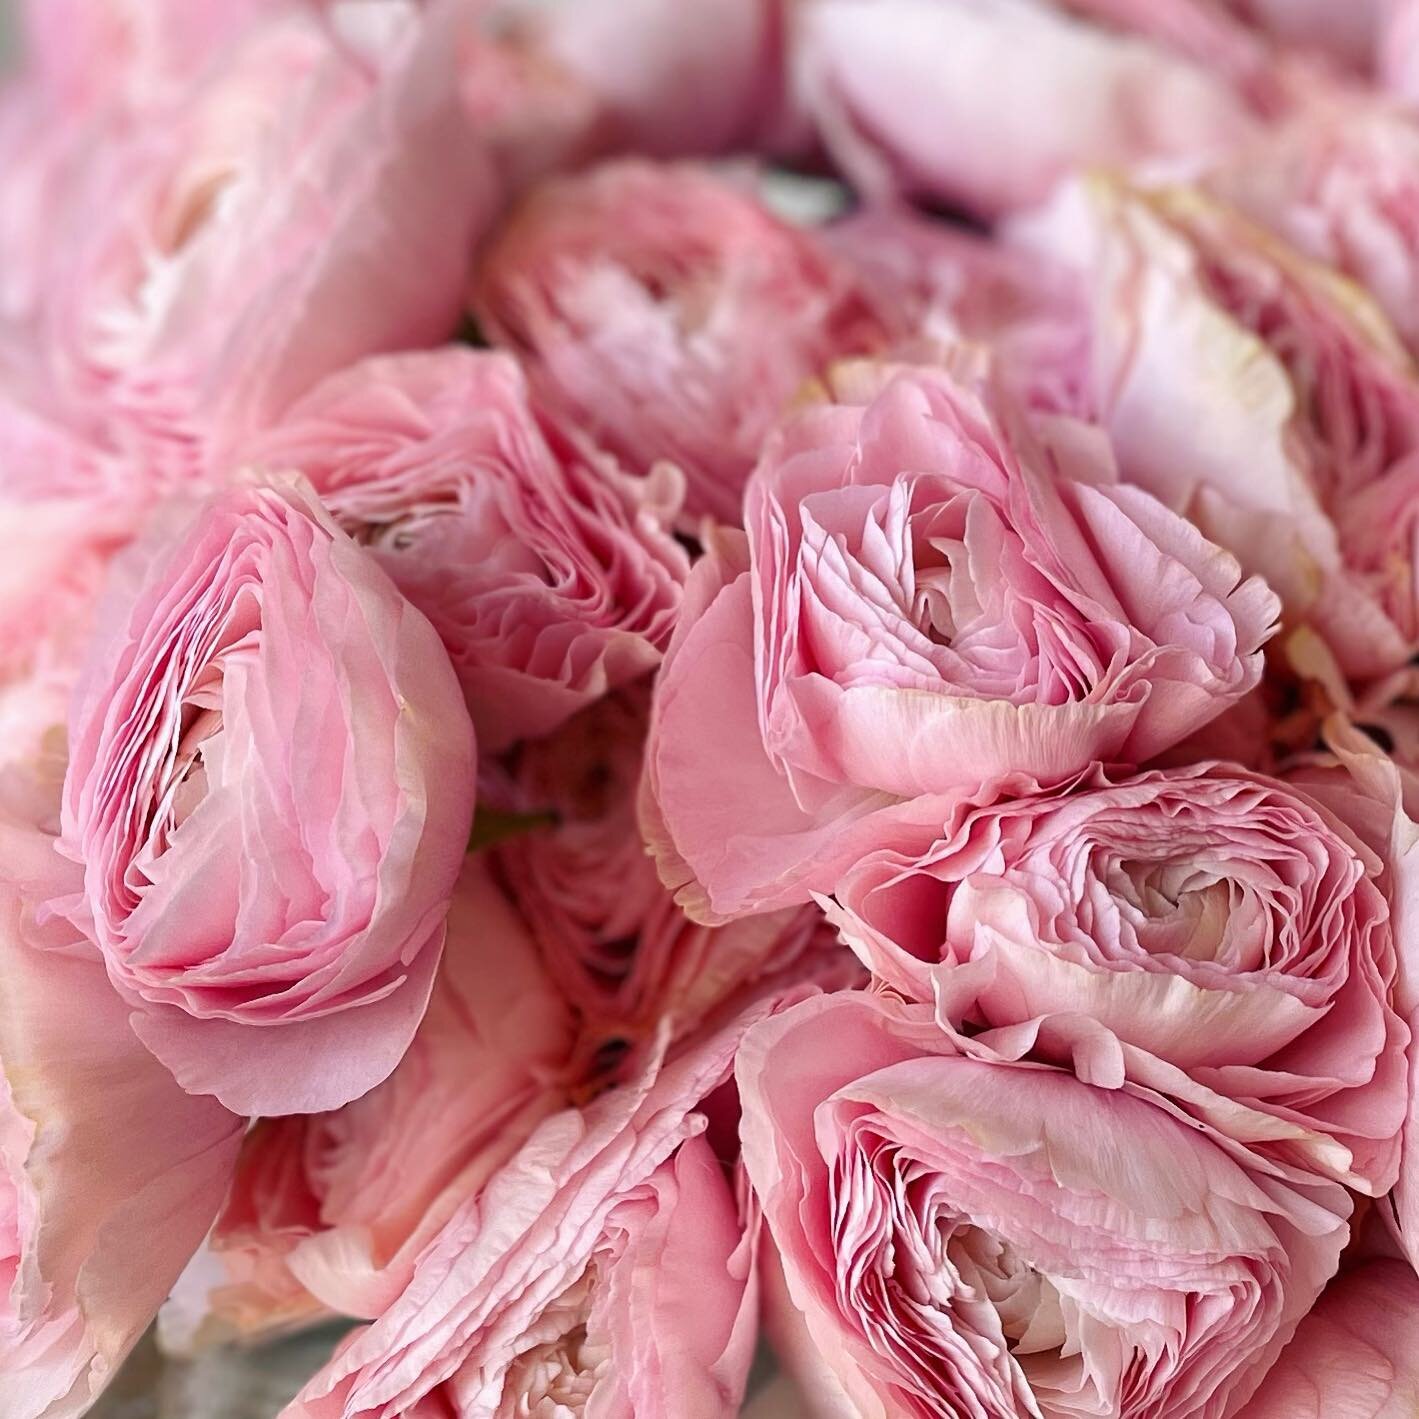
x=548 y=573
x=963 y=1236
x=109 y=1173
x=333 y=1208
x=609 y=930
x=270 y=788
x=887 y=80
x=1353 y=1355
x=603 y=1270
x=927 y=603
x=1231 y=926
x=1217 y=348
x=312 y=199
x=670 y=314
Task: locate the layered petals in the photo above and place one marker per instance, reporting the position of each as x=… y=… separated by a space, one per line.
x=270 y=788
x=930 y=601
x=331 y=1210
x=550 y=575
x=962 y=1236
x=312 y=199
x=604 y=1266
x=1230 y=926
x=610 y=932
x=1217 y=348
x=884 y=80
x=109 y=1173
x=669 y=314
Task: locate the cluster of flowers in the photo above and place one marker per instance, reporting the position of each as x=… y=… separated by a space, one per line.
x=591 y=765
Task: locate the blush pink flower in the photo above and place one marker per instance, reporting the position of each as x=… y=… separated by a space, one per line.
x=884 y=80
x=965 y=1236
x=549 y=574
x=1200 y=321
x=312 y=199
x=668 y=313
x=270 y=788
x=1354 y=1353
x=925 y=603
x=109 y=1172
x=333 y=1209
x=1339 y=184
x=1233 y=927
x=604 y=1269
x=612 y=935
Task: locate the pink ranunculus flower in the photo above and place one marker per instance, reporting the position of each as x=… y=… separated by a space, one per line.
x=1353 y=1355
x=313 y=199
x=934 y=285
x=270 y=788
x=1321 y=403
x=550 y=575
x=670 y=314
x=333 y=1209
x=925 y=603
x=1340 y=183
x=609 y=930
x=109 y=1172
x=1236 y=928
x=965 y=1236
x=886 y=79
x=604 y=1269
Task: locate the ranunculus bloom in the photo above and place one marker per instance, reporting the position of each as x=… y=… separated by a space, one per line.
x=1353 y=1355
x=670 y=314
x=934 y=285
x=270 y=788
x=1341 y=185
x=1215 y=347
x=604 y=1269
x=309 y=202
x=335 y=1207
x=549 y=574
x=927 y=603
x=966 y=1236
x=986 y=106
x=1232 y=926
x=611 y=933
x=109 y=1173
